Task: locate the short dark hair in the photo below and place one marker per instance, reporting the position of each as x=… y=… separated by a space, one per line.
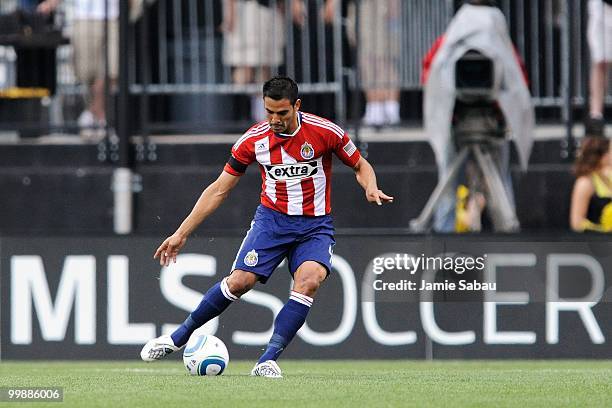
x=281 y=87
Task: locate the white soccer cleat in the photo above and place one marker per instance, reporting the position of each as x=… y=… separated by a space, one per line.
x=268 y=369
x=158 y=348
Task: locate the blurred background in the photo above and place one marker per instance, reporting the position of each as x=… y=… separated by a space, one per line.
x=115 y=114
x=183 y=99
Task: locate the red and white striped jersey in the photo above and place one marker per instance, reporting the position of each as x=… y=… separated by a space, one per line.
x=295 y=169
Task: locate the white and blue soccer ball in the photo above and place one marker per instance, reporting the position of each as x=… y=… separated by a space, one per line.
x=205 y=355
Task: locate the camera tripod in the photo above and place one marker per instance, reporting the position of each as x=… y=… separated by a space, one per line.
x=502 y=212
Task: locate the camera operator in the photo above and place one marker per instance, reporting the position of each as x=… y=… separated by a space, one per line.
x=478 y=26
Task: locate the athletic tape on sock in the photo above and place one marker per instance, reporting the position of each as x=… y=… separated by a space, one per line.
x=225 y=290
x=303 y=299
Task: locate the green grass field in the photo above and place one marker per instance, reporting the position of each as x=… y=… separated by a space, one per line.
x=323 y=384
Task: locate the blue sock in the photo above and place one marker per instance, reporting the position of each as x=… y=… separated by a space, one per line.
x=214 y=302
x=289 y=320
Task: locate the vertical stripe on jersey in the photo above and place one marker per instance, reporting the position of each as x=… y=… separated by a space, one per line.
x=327 y=166
x=320 y=181
x=294 y=188
x=262 y=154
x=281 y=189
x=309 y=194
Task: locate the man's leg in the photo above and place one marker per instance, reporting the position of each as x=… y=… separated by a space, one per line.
x=214 y=302
x=597 y=87
x=375 y=108
x=97 y=106
x=599 y=48
x=307 y=280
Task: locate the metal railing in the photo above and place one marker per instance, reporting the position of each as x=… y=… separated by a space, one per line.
x=414 y=25
x=537 y=30
x=178 y=50
x=543 y=42
x=196 y=52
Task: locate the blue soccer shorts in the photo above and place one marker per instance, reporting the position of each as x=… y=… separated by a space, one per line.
x=275 y=236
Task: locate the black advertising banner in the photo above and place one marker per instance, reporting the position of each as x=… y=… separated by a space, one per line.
x=387 y=297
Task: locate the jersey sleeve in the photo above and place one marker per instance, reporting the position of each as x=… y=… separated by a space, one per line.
x=242 y=155
x=346 y=150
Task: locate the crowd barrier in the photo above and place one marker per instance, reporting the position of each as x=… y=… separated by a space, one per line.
x=180 y=77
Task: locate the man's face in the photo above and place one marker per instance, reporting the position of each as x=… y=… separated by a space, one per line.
x=282 y=116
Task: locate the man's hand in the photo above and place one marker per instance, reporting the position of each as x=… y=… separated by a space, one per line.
x=377 y=196
x=169 y=249
x=367 y=179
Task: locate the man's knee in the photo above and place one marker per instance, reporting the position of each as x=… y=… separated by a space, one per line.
x=308 y=278
x=240 y=282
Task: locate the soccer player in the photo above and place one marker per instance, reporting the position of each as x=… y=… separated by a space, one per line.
x=294 y=152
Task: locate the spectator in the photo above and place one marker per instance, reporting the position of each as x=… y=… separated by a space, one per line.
x=599 y=35
x=591 y=208
x=478 y=26
x=469 y=206
x=89 y=52
x=379 y=45
x=254 y=37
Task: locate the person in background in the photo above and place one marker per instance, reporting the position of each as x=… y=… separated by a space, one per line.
x=90 y=53
x=254 y=40
x=379 y=43
x=591 y=206
x=599 y=36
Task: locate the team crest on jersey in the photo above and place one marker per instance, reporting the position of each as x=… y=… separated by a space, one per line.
x=251 y=258
x=307 y=151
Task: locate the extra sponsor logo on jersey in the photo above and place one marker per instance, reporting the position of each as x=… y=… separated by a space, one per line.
x=251 y=258
x=295 y=171
x=307 y=151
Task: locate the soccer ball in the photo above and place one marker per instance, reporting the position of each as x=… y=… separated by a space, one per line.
x=205 y=355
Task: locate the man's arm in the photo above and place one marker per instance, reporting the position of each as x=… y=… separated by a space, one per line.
x=367 y=179
x=209 y=201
